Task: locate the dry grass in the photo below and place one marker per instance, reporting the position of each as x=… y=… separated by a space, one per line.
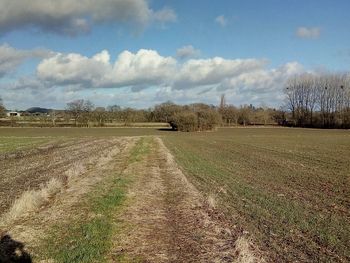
x=32 y=200
x=68 y=205
x=78 y=168
x=245 y=253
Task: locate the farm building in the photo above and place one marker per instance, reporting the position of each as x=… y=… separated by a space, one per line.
x=13 y=114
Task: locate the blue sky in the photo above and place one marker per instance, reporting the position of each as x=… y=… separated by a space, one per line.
x=185 y=51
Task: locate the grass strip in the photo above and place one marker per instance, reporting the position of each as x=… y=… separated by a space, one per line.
x=88 y=236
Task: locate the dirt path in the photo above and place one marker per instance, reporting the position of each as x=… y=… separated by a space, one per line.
x=169 y=221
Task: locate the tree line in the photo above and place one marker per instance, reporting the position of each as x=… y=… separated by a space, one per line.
x=321 y=101
x=311 y=101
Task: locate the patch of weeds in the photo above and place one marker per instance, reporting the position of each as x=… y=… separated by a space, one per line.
x=141 y=149
x=88 y=238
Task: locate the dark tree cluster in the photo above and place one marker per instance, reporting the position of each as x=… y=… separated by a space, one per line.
x=193 y=117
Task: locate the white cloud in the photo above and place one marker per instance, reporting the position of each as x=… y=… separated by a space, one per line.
x=146 y=77
x=11 y=58
x=221 y=20
x=165 y=15
x=187 y=52
x=76 y=17
x=308 y=32
x=262 y=80
x=74 y=69
x=144 y=68
x=198 y=72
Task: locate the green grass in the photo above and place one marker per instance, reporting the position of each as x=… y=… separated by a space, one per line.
x=288 y=187
x=89 y=238
x=138 y=153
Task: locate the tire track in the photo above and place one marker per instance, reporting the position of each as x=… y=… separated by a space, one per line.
x=168 y=220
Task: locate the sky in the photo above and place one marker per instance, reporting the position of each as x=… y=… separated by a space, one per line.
x=138 y=53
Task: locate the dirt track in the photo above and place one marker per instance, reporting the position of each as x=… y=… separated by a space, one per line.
x=165 y=218
x=169 y=221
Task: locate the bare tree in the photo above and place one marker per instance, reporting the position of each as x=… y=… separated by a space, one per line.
x=100 y=115
x=327 y=94
x=80 y=110
x=245 y=114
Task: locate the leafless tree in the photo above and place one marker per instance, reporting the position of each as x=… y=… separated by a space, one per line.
x=327 y=94
x=80 y=110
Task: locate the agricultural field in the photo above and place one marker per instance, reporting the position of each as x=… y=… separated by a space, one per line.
x=289 y=188
x=149 y=195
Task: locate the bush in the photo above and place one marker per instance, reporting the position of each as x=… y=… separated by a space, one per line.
x=208 y=119
x=185 y=121
x=195 y=119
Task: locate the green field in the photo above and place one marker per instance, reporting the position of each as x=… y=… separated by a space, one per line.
x=287 y=188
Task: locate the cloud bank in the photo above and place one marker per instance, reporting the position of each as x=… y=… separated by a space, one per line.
x=146 y=77
x=11 y=58
x=69 y=17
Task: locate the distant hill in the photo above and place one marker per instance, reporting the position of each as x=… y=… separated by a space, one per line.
x=38 y=110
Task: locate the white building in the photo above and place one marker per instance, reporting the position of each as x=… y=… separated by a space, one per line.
x=13 y=114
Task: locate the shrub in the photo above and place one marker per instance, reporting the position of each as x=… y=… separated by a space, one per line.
x=208 y=119
x=185 y=121
x=195 y=119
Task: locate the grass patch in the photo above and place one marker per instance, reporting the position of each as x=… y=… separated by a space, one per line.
x=87 y=237
x=142 y=148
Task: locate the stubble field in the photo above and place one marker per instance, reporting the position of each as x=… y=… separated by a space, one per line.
x=240 y=194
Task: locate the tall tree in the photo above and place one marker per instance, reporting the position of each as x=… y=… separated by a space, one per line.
x=327 y=95
x=2 y=108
